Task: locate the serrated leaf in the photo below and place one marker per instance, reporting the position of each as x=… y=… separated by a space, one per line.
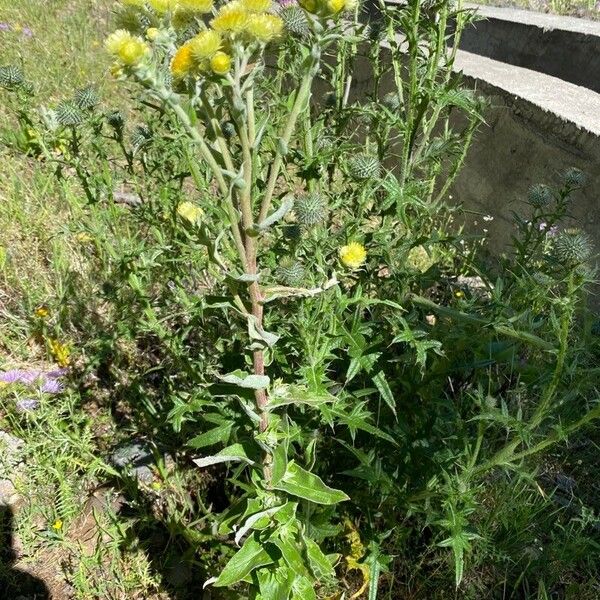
x=246 y=380
x=234 y=453
x=248 y=558
x=284 y=395
x=299 y=482
x=214 y=436
x=383 y=386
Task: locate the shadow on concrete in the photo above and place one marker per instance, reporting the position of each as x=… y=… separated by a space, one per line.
x=15 y=583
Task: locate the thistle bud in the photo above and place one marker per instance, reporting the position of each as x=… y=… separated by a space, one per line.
x=310 y=209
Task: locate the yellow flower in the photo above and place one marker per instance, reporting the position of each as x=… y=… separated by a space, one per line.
x=126 y=47
x=199 y=6
x=42 y=312
x=183 y=61
x=264 y=27
x=257 y=6
x=353 y=255
x=152 y=33
x=60 y=352
x=189 y=211
x=335 y=6
x=205 y=44
x=459 y=293
x=57 y=524
x=220 y=63
x=163 y=6
x=231 y=18
x=84 y=238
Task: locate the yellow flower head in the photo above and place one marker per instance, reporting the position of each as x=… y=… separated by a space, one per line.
x=57 y=525
x=256 y=6
x=220 y=63
x=336 y=6
x=264 y=27
x=152 y=33
x=60 y=352
x=42 y=312
x=205 y=44
x=231 y=18
x=197 y=6
x=183 y=61
x=163 y=6
x=189 y=211
x=353 y=255
x=127 y=48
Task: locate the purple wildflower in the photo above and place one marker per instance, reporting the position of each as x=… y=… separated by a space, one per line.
x=4 y=27
x=46 y=382
x=51 y=386
x=20 y=376
x=27 y=32
x=56 y=373
x=550 y=231
x=26 y=405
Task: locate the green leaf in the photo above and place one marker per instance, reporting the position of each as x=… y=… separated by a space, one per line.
x=290 y=554
x=303 y=589
x=383 y=386
x=249 y=557
x=214 y=436
x=319 y=563
x=299 y=482
x=284 y=395
x=279 y=464
x=252 y=522
x=234 y=453
x=246 y=380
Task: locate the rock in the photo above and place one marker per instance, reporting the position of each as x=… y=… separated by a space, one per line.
x=8 y=493
x=135 y=457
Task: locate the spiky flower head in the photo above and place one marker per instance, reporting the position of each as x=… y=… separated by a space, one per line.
x=189 y=211
x=256 y=6
x=126 y=48
x=115 y=120
x=205 y=45
x=182 y=62
x=264 y=28
x=364 y=166
x=220 y=63
x=310 y=209
x=290 y=271
x=294 y=20
x=196 y=6
x=574 y=178
x=163 y=6
x=86 y=98
x=572 y=246
x=353 y=255
x=152 y=33
x=231 y=18
x=140 y=137
x=11 y=76
x=68 y=114
x=228 y=129
x=540 y=195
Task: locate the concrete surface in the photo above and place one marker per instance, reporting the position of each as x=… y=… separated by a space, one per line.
x=564 y=47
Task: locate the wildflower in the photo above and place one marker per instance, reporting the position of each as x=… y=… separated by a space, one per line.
x=52 y=386
x=127 y=48
x=84 y=238
x=60 y=352
x=183 y=61
x=353 y=255
x=220 y=63
x=163 y=6
x=152 y=33
x=199 y=6
x=256 y=6
x=336 y=6
x=57 y=524
x=42 y=312
x=459 y=294
x=27 y=32
x=231 y=18
x=264 y=27
x=205 y=44
x=25 y=405
x=4 y=27
x=189 y=211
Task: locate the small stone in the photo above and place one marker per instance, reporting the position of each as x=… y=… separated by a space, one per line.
x=8 y=493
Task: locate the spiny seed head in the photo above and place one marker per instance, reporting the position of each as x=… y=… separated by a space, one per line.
x=310 y=209
x=574 y=178
x=132 y=19
x=228 y=129
x=11 y=76
x=540 y=195
x=364 y=166
x=572 y=246
x=86 y=98
x=140 y=137
x=116 y=120
x=292 y=232
x=290 y=271
x=68 y=114
x=294 y=20
x=391 y=101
